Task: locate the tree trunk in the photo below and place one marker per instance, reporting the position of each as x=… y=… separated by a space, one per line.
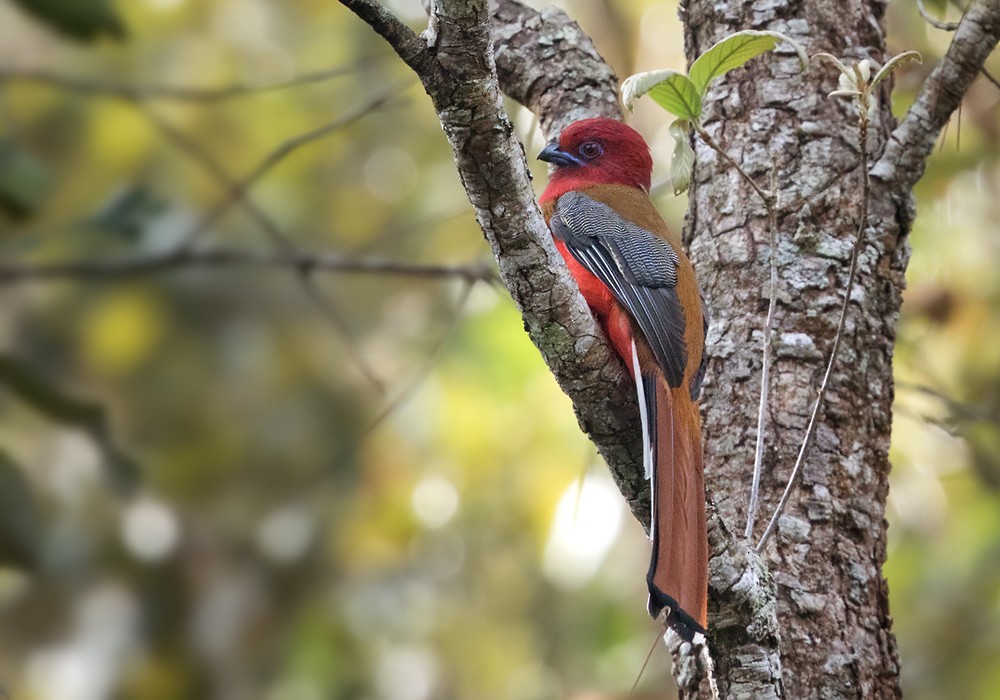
x=827 y=557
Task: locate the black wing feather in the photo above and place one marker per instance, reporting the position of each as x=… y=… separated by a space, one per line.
x=638 y=267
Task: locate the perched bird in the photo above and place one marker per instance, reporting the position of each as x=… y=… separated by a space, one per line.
x=641 y=288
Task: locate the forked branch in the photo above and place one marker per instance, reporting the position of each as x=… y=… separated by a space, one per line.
x=905 y=156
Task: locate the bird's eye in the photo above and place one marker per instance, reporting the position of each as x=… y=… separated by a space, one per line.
x=591 y=149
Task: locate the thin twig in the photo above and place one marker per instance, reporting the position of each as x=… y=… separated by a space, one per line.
x=936 y=23
x=339 y=324
x=100 y=269
x=852 y=273
x=765 y=371
x=139 y=91
x=989 y=76
x=185 y=143
x=188 y=145
x=649 y=655
x=944 y=136
x=707 y=138
x=349 y=451
x=770 y=203
x=410 y=389
x=239 y=188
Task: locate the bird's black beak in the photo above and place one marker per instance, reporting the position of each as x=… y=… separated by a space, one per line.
x=558 y=157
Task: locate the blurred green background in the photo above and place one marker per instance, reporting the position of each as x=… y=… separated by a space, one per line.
x=193 y=500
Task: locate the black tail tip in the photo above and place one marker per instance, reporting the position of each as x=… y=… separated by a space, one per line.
x=679 y=621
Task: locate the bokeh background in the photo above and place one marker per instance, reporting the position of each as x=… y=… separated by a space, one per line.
x=241 y=482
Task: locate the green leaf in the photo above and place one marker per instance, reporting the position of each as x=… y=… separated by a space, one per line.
x=31 y=386
x=20 y=525
x=682 y=164
x=669 y=89
x=82 y=20
x=24 y=181
x=735 y=50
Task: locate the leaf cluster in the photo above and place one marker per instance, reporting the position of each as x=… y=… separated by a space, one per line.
x=683 y=95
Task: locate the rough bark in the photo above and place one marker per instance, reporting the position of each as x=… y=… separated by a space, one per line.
x=833 y=610
x=562 y=78
x=832 y=598
x=835 y=639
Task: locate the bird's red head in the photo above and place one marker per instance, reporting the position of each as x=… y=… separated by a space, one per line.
x=596 y=151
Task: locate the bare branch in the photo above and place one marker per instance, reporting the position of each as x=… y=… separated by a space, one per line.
x=141 y=91
x=905 y=156
x=950 y=27
x=302 y=261
x=407 y=45
x=305 y=264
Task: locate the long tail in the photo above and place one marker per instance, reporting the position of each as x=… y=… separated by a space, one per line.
x=678 y=569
